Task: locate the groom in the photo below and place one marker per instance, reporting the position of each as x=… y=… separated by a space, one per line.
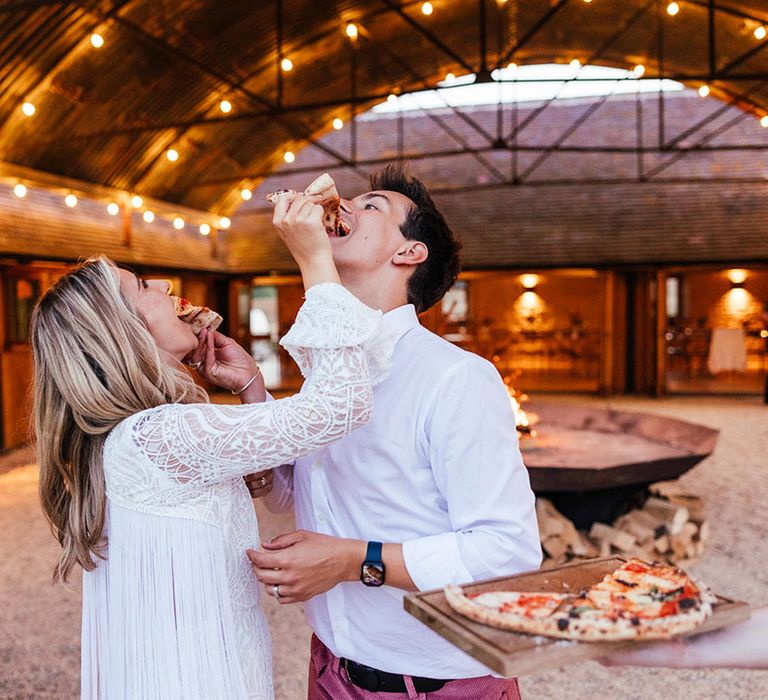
x=432 y=491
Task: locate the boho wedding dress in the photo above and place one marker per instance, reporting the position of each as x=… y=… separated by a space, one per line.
x=173 y=611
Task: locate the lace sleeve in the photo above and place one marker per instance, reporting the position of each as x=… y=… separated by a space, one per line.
x=332 y=340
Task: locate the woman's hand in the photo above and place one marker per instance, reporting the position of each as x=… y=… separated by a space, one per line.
x=259 y=483
x=299 y=222
x=224 y=363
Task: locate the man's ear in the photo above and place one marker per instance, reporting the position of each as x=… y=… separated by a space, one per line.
x=411 y=253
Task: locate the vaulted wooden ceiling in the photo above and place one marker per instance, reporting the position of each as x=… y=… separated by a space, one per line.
x=108 y=115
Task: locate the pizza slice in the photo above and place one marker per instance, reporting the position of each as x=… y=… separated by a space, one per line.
x=323 y=190
x=198 y=317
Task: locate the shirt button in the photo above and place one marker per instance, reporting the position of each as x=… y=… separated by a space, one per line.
x=320 y=517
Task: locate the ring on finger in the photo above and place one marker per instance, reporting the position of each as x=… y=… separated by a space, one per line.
x=194 y=365
x=276 y=590
x=262 y=482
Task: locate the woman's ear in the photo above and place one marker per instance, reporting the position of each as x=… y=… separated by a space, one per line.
x=411 y=253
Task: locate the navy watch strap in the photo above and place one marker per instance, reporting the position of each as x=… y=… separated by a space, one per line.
x=373 y=553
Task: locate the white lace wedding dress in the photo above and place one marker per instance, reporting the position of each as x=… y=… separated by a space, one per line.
x=173 y=611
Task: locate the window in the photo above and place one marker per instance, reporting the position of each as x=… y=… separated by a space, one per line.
x=673 y=297
x=264 y=325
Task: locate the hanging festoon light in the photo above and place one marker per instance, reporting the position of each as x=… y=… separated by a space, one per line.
x=70 y=200
x=575 y=64
x=639 y=70
x=97 y=40
x=28 y=109
x=225 y=106
x=351 y=31
x=427 y=8
x=204 y=229
x=20 y=190
x=704 y=91
x=450 y=78
x=289 y=156
x=148 y=216
x=136 y=201
x=391 y=98
x=764 y=122
x=172 y=154
x=246 y=194
x=761 y=32
x=672 y=9
x=224 y=223
x=178 y=223
x=338 y=124
x=113 y=208
x=286 y=64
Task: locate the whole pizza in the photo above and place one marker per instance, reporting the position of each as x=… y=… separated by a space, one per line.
x=636 y=601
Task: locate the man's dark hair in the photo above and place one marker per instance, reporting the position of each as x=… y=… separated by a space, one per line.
x=432 y=278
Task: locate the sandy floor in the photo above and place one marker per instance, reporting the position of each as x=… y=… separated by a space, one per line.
x=39 y=623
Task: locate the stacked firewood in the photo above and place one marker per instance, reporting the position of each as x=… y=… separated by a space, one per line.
x=670 y=527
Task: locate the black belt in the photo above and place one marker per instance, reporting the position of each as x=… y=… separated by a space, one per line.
x=375 y=681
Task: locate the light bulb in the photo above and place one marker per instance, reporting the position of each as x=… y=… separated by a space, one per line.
x=512 y=67
x=172 y=154
x=246 y=194
x=225 y=106
x=639 y=70
x=97 y=41
x=204 y=229
x=704 y=91
x=351 y=30
x=761 y=32
x=289 y=157
x=449 y=77
x=178 y=223
x=148 y=216
x=391 y=98
x=286 y=64
x=20 y=190
x=224 y=223
x=28 y=108
x=136 y=201
x=575 y=63
x=764 y=122
x=113 y=208
x=338 y=124
x=673 y=8
x=70 y=200
x=427 y=8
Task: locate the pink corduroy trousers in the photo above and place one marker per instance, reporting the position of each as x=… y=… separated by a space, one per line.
x=328 y=681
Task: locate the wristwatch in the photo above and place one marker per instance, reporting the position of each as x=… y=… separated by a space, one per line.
x=372 y=570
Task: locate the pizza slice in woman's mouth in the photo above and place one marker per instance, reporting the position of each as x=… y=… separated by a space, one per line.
x=198 y=317
x=323 y=190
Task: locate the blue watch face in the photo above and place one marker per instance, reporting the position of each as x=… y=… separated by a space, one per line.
x=372 y=573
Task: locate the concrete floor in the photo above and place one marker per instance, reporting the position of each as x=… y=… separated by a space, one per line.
x=39 y=623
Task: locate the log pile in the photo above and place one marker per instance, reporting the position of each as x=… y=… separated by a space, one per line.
x=670 y=527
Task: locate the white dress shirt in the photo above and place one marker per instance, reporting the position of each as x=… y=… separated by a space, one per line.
x=438 y=469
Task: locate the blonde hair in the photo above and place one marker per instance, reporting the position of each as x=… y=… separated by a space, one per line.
x=95 y=364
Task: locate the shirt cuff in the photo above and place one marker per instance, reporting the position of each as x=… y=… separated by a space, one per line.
x=434 y=561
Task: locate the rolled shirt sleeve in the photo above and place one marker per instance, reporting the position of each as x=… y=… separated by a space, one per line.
x=475 y=456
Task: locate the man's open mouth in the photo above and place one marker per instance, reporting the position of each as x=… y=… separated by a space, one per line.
x=342 y=230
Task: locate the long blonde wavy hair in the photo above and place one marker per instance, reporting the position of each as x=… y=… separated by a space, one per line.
x=95 y=364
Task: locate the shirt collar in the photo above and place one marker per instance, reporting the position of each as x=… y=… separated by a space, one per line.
x=402 y=319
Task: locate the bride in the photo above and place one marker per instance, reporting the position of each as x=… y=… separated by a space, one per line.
x=142 y=479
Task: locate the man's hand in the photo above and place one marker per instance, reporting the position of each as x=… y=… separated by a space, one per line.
x=305 y=564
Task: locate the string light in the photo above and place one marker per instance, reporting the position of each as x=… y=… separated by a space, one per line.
x=178 y=223
x=225 y=106
x=246 y=194
x=172 y=154
x=512 y=67
x=289 y=157
x=20 y=190
x=587 y=1
x=113 y=208
x=391 y=98
x=28 y=109
x=136 y=201
x=575 y=63
x=704 y=91
x=672 y=9
x=761 y=32
x=427 y=8
x=97 y=41
x=70 y=200
x=286 y=64
x=764 y=122
x=224 y=223
x=338 y=124
x=351 y=31
x=449 y=78
x=204 y=229
x=639 y=70
x=148 y=216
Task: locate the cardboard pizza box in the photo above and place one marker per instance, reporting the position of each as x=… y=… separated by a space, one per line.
x=513 y=654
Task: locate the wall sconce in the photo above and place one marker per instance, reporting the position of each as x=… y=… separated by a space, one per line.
x=529 y=282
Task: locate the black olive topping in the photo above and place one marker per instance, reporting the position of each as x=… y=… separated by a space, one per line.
x=562 y=623
x=635 y=620
x=686 y=603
